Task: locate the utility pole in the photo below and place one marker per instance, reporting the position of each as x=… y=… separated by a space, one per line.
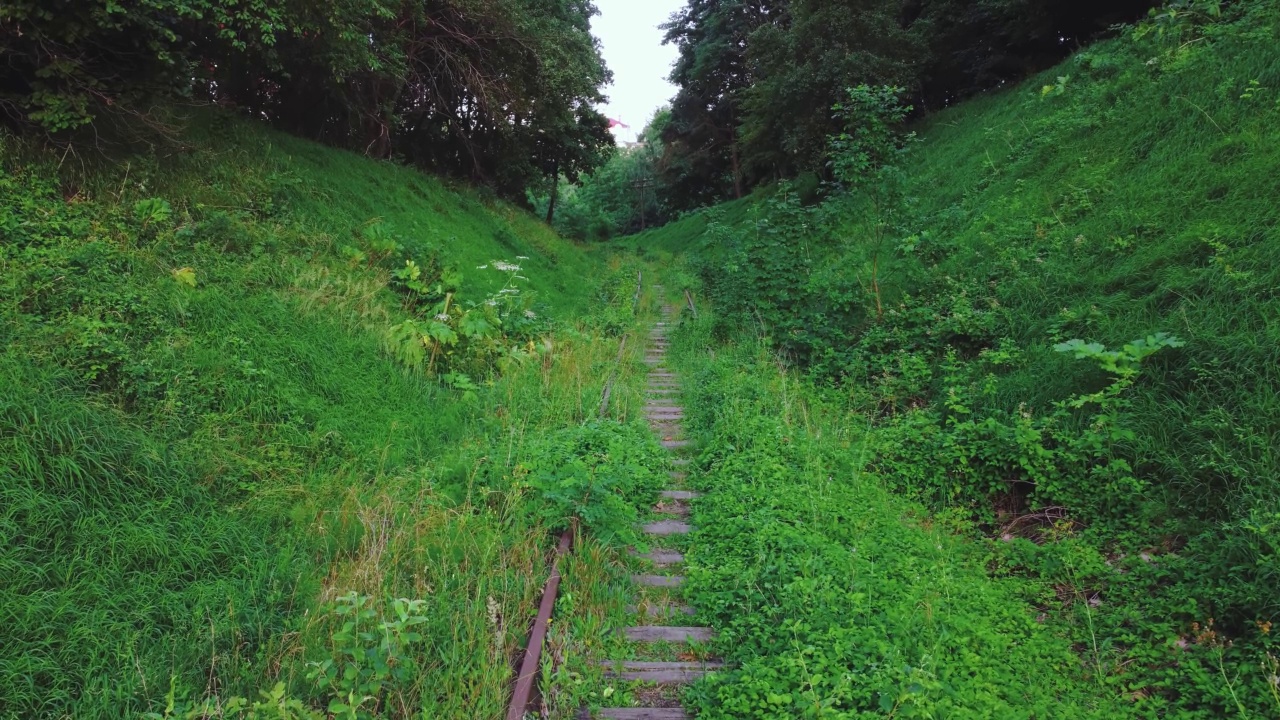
x=642 y=186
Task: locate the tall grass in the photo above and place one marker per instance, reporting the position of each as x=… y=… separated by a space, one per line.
x=831 y=596
x=1134 y=196
x=191 y=471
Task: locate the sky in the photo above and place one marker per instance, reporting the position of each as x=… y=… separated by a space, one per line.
x=632 y=47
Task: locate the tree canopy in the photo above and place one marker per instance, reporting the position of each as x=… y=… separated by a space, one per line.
x=498 y=91
x=757 y=79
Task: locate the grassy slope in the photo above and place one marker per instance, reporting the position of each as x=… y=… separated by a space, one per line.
x=677 y=236
x=1140 y=198
x=186 y=472
x=832 y=596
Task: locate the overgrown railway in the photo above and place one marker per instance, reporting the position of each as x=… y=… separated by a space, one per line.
x=663 y=651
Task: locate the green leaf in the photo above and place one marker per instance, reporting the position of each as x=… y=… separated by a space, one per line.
x=442 y=333
x=185 y=276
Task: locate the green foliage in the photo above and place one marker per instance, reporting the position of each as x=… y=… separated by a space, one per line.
x=71 y=63
x=619 y=197
x=804 y=67
x=872 y=142
x=1060 y=459
x=1123 y=362
x=829 y=594
x=1181 y=20
x=462 y=340
x=599 y=474
x=201 y=430
x=152 y=211
x=275 y=704
x=616 y=299
x=370 y=75
x=373 y=655
x=1135 y=200
x=757 y=79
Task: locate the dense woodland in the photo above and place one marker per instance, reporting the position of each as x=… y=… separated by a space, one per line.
x=757 y=81
x=504 y=93
x=500 y=92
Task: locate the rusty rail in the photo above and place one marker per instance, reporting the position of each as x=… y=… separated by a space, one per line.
x=527 y=675
x=688 y=296
x=533 y=654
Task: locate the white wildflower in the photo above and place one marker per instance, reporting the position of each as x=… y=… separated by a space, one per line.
x=522 y=257
x=491 y=302
x=443 y=317
x=482 y=267
x=508 y=291
x=530 y=314
x=505 y=266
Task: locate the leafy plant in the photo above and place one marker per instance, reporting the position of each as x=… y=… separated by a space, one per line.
x=151 y=212
x=866 y=160
x=598 y=474
x=274 y=704
x=380 y=240
x=1124 y=362
x=373 y=655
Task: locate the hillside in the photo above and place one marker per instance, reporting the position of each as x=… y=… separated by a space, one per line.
x=225 y=404
x=975 y=417
x=1054 y=310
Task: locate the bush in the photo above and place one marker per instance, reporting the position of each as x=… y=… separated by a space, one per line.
x=600 y=474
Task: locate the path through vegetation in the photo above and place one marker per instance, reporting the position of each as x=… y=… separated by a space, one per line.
x=660 y=633
x=778 y=580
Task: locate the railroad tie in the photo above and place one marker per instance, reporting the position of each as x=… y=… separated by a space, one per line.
x=665 y=415
x=667 y=527
x=668 y=633
x=679 y=494
x=660 y=673
x=642 y=714
x=661 y=557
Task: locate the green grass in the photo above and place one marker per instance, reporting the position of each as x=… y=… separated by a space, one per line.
x=191 y=473
x=831 y=596
x=1139 y=199
x=680 y=235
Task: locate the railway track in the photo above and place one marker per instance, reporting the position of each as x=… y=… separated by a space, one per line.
x=665 y=651
x=661 y=619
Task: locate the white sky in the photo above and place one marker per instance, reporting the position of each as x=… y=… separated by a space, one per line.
x=632 y=47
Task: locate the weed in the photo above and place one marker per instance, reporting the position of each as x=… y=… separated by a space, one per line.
x=1128 y=199
x=204 y=441
x=600 y=474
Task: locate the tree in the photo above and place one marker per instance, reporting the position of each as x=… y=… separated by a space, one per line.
x=621 y=196
x=802 y=67
x=498 y=91
x=702 y=141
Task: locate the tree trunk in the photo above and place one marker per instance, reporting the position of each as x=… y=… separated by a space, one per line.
x=555 y=191
x=737 y=170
